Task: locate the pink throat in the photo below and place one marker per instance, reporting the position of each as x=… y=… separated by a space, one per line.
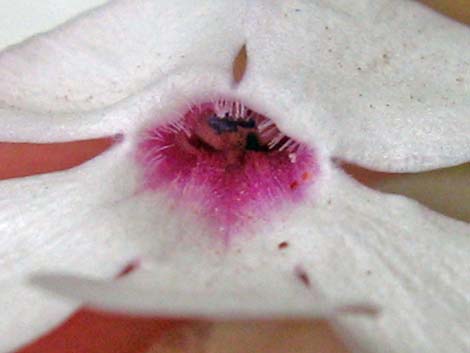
x=226 y=163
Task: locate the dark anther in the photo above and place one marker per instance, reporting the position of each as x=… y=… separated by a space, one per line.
x=247 y=124
x=222 y=125
x=252 y=143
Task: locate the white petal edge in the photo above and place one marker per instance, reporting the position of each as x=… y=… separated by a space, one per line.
x=383 y=83
x=167 y=98
x=21 y=19
x=356 y=245
x=115 y=51
x=129 y=296
x=58 y=221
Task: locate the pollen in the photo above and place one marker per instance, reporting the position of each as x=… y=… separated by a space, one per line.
x=227 y=163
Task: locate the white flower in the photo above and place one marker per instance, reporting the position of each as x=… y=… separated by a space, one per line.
x=383 y=83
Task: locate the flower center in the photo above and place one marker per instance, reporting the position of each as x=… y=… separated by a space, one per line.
x=227 y=163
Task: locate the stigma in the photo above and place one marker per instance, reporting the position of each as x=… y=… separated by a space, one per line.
x=226 y=163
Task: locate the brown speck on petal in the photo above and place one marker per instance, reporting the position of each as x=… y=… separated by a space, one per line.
x=129 y=268
x=302 y=276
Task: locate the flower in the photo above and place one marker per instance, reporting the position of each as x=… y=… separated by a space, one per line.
x=382 y=84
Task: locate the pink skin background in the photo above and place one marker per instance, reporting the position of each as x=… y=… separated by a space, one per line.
x=89 y=331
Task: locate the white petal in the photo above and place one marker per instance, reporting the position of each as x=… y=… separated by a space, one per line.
x=163 y=100
x=21 y=19
x=186 y=271
x=385 y=84
x=256 y=299
x=355 y=244
x=361 y=79
x=112 y=53
x=58 y=221
x=412 y=262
